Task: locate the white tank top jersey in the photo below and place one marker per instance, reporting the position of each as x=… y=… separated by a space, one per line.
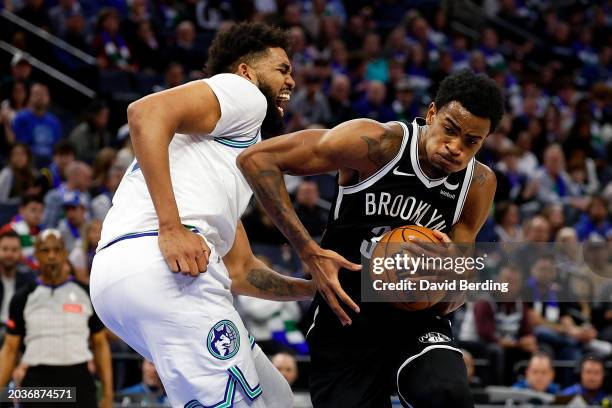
x=210 y=191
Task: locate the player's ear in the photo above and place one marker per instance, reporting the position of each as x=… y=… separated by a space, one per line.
x=247 y=72
x=431 y=112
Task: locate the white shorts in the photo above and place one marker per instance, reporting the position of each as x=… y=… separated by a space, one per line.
x=188 y=327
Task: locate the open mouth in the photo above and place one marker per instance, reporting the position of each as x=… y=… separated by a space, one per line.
x=282 y=100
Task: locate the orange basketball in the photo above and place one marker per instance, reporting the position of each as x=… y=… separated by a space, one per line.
x=388 y=246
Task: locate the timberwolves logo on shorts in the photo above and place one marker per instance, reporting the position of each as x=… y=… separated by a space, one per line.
x=434 y=337
x=223 y=340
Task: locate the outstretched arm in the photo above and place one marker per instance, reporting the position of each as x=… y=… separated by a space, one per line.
x=251 y=277
x=360 y=146
x=153 y=121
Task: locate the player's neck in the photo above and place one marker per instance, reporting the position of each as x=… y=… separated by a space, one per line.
x=429 y=170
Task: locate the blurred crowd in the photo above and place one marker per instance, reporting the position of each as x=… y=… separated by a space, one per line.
x=379 y=59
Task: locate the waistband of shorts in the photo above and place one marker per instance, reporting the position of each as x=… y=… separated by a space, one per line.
x=149 y=233
x=80 y=367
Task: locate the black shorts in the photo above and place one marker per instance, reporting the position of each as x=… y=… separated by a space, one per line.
x=418 y=361
x=63 y=376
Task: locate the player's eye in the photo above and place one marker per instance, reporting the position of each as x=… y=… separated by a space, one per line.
x=472 y=142
x=448 y=130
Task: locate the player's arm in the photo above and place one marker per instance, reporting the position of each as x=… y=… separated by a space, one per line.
x=359 y=146
x=8 y=357
x=153 y=121
x=475 y=212
x=103 y=362
x=251 y=277
x=478 y=204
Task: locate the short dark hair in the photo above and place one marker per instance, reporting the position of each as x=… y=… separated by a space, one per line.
x=591 y=357
x=242 y=43
x=9 y=234
x=479 y=94
x=63 y=147
x=31 y=198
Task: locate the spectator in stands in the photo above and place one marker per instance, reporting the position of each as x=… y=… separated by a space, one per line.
x=109 y=47
x=556 y=218
x=499 y=327
x=174 y=76
x=104 y=161
x=13 y=274
x=309 y=104
x=150 y=390
x=553 y=325
x=81 y=256
x=507 y=219
x=512 y=181
x=34 y=12
x=27 y=224
x=75 y=32
x=307 y=208
x=185 y=50
x=75 y=210
x=373 y=104
x=406 y=104
x=536 y=231
x=60 y=14
x=554 y=184
x=15 y=101
x=147 y=51
x=54 y=174
x=539 y=375
x=41 y=314
x=596 y=220
x=36 y=127
x=21 y=71
x=78 y=180
x=287 y=365
x=103 y=201
x=19 y=177
x=339 y=99
x=590 y=387
x=92 y=135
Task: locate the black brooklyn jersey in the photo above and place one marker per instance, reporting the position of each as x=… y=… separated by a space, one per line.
x=398 y=194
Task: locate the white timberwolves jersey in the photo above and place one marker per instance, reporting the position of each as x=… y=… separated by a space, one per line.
x=210 y=191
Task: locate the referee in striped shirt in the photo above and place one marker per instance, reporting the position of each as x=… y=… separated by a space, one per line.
x=55 y=320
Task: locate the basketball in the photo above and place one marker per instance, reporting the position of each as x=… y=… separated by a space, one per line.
x=388 y=246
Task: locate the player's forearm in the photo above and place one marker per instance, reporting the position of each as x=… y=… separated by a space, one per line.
x=257 y=280
x=266 y=180
x=7 y=364
x=150 y=139
x=102 y=359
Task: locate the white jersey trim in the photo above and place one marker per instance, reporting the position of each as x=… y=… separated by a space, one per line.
x=362 y=185
x=467 y=181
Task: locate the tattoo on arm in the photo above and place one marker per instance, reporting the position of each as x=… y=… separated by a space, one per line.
x=269 y=188
x=270 y=282
x=480 y=179
x=380 y=152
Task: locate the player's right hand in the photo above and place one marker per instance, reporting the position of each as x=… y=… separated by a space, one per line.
x=324 y=266
x=183 y=250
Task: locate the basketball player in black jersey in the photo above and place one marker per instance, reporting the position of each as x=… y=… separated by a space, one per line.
x=390 y=175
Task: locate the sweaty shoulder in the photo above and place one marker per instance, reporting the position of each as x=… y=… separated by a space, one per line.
x=243 y=106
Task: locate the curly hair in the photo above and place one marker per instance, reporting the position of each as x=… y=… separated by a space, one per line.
x=241 y=43
x=478 y=94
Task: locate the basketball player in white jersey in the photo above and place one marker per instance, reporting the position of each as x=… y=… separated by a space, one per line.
x=178 y=209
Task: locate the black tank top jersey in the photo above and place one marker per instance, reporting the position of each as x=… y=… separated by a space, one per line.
x=398 y=194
